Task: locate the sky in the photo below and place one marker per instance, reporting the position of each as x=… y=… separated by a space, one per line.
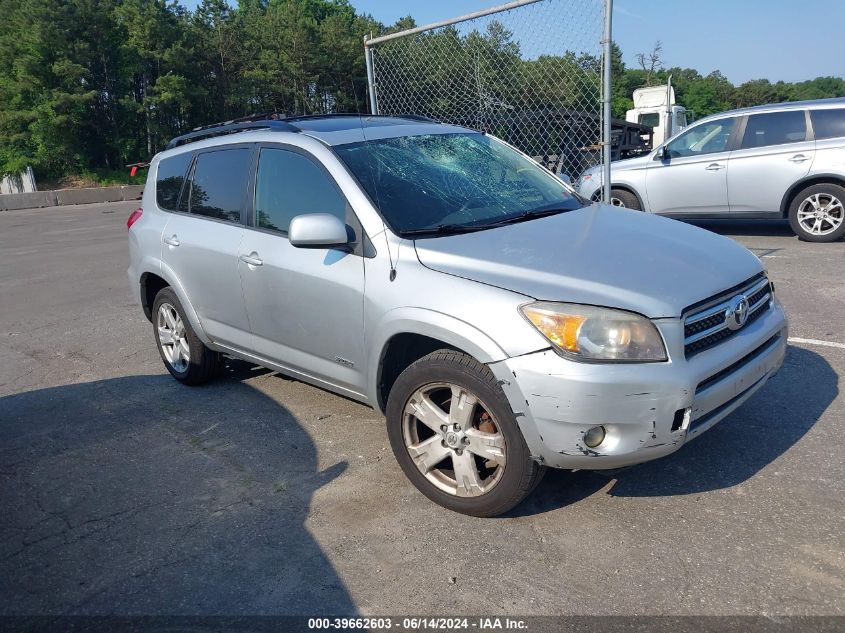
x=792 y=40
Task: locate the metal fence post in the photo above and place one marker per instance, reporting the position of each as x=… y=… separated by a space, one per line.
x=606 y=99
x=371 y=79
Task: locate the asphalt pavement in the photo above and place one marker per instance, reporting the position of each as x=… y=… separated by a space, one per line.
x=123 y=492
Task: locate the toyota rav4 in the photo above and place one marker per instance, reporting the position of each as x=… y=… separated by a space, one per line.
x=502 y=323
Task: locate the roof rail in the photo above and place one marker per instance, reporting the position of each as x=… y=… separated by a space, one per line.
x=272 y=121
x=264 y=121
x=412 y=117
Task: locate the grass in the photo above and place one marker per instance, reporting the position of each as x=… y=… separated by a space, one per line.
x=93 y=178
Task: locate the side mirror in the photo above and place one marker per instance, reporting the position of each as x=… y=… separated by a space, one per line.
x=662 y=153
x=317 y=230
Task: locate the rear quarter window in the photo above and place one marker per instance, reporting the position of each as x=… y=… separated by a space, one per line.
x=170 y=178
x=828 y=123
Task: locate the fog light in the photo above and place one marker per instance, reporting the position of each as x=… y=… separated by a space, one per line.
x=594 y=436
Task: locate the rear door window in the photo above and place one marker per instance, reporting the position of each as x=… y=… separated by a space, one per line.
x=775 y=128
x=219 y=183
x=170 y=178
x=828 y=123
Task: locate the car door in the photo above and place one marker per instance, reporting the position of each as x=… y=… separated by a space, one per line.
x=776 y=150
x=305 y=305
x=692 y=178
x=201 y=240
x=829 y=135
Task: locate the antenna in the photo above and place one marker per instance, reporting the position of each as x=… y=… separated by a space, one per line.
x=373 y=107
x=383 y=224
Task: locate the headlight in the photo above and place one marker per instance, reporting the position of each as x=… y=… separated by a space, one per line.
x=599 y=334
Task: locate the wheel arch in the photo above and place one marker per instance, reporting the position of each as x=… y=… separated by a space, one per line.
x=808 y=181
x=623 y=187
x=152 y=280
x=408 y=334
x=151 y=285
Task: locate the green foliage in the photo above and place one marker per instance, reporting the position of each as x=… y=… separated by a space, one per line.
x=88 y=86
x=91 y=85
x=704 y=95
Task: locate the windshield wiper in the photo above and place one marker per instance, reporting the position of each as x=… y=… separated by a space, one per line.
x=455 y=229
x=529 y=215
x=442 y=229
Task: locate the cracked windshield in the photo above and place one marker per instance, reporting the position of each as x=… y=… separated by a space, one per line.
x=453 y=183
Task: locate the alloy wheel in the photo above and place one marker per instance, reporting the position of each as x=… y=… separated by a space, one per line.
x=454 y=440
x=172 y=338
x=820 y=214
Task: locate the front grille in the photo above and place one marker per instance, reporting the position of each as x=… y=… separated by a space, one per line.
x=706 y=323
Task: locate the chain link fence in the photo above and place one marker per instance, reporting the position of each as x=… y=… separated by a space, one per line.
x=529 y=72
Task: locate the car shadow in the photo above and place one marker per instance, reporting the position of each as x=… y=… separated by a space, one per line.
x=138 y=495
x=733 y=451
x=745 y=227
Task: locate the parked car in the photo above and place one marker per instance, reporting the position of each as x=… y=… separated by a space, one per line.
x=500 y=322
x=776 y=161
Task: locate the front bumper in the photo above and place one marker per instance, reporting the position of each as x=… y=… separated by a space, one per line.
x=648 y=409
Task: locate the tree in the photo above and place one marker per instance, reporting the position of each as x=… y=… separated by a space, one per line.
x=90 y=85
x=621 y=100
x=651 y=62
x=58 y=84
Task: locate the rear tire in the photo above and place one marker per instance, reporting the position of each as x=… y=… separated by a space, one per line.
x=469 y=454
x=185 y=356
x=624 y=198
x=817 y=213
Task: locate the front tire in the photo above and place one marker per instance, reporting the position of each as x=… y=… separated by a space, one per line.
x=185 y=356
x=817 y=213
x=456 y=438
x=623 y=198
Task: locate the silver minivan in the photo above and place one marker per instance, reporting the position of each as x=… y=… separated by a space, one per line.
x=776 y=161
x=501 y=323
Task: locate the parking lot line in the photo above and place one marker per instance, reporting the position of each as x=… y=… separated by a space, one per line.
x=813 y=341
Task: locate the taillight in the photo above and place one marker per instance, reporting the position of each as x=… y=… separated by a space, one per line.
x=136 y=215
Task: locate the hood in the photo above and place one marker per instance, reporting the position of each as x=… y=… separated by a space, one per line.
x=598 y=255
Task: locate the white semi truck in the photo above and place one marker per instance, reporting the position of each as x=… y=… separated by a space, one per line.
x=655 y=107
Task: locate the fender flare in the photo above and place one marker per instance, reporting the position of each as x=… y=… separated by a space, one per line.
x=159 y=268
x=800 y=184
x=437 y=325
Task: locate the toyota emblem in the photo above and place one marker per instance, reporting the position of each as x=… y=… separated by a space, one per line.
x=737 y=313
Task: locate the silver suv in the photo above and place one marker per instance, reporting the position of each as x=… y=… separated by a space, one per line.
x=774 y=161
x=500 y=322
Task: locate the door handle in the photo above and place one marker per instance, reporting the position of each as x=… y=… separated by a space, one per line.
x=714 y=167
x=252 y=259
x=799 y=158
x=172 y=241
